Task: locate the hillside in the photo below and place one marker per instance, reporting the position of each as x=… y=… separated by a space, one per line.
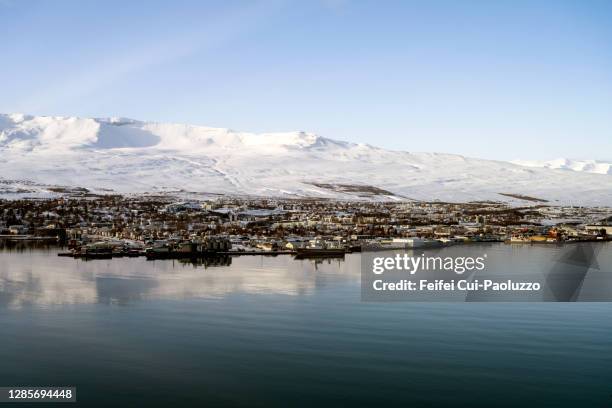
x=38 y=155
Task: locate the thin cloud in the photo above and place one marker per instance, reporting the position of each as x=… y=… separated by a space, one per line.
x=111 y=68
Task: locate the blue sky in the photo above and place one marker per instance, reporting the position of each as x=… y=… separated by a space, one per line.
x=491 y=79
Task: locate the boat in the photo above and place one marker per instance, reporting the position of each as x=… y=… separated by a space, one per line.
x=314 y=252
x=518 y=239
x=187 y=249
x=98 y=250
x=353 y=248
x=321 y=249
x=134 y=252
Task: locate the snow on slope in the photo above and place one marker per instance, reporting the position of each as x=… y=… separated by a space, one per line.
x=129 y=156
x=588 y=166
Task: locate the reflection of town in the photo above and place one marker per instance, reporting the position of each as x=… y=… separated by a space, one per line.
x=41 y=278
x=158 y=227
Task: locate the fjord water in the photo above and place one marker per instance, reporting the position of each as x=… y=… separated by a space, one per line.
x=274 y=331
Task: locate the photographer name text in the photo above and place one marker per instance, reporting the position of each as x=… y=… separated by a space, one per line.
x=439 y=285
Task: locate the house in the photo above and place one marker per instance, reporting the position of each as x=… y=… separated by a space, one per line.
x=598 y=228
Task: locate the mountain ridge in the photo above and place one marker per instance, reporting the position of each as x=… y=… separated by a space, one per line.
x=130 y=156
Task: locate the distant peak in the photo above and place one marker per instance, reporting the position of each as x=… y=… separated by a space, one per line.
x=58 y=132
x=578 y=165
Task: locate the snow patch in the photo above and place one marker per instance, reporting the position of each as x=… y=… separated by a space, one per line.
x=130 y=156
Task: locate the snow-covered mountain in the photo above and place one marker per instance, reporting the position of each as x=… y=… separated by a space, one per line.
x=44 y=155
x=588 y=166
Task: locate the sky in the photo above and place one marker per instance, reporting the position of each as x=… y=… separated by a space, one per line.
x=491 y=79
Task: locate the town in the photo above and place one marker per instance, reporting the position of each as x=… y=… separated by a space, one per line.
x=163 y=227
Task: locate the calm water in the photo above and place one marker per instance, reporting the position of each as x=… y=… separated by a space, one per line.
x=266 y=331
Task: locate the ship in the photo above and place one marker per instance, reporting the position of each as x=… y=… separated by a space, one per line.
x=98 y=250
x=321 y=249
x=312 y=252
x=164 y=249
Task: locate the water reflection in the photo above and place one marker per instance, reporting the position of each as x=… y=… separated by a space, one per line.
x=25 y=246
x=35 y=275
x=39 y=277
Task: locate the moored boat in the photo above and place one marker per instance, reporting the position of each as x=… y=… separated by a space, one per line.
x=313 y=252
